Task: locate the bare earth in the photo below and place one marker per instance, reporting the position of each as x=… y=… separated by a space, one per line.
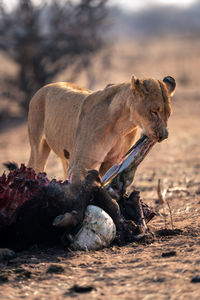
x=160 y=267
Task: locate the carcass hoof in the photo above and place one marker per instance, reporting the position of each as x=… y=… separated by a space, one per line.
x=132 y=231
x=66 y=220
x=6 y=254
x=140 y=232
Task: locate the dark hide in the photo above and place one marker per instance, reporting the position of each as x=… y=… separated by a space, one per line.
x=32 y=221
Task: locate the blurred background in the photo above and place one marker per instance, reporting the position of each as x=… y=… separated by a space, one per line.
x=91 y=43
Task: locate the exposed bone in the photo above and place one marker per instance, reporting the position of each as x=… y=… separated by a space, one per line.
x=121 y=175
x=98 y=230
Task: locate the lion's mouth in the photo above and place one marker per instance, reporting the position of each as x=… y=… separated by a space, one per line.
x=130 y=161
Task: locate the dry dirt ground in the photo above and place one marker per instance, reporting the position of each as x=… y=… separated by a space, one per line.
x=159 y=267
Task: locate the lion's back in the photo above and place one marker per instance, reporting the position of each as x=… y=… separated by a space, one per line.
x=56 y=108
x=64 y=97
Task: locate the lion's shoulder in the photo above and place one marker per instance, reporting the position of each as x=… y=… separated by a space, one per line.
x=103 y=97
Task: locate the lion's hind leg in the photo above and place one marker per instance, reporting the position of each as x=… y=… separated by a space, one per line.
x=39 y=155
x=65 y=164
x=39 y=147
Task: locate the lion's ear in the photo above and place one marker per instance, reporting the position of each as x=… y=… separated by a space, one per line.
x=135 y=83
x=170 y=84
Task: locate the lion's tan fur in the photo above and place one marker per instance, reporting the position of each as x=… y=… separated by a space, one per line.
x=95 y=128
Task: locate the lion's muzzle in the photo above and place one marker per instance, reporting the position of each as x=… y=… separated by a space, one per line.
x=162 y=134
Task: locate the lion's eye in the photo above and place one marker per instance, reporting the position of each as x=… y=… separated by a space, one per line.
x=155 y=114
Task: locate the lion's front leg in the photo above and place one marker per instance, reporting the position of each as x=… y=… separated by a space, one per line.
x=89 y=157
x=120 y=148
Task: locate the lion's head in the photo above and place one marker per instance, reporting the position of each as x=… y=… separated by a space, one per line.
x=152 y=105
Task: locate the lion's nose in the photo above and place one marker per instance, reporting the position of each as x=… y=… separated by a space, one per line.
x=163 y=134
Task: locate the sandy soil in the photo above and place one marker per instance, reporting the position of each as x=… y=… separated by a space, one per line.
x=159 y=267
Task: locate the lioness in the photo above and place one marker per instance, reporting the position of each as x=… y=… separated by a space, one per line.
x=92 y=130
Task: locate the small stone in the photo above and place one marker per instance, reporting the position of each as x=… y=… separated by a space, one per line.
x=158 y=279
x=23 y=273
x=134 y=245
x=198 y=191
x=169 y=254
x=3 y=278
x=57 y=269
x=82 y=289
x=196 y=279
